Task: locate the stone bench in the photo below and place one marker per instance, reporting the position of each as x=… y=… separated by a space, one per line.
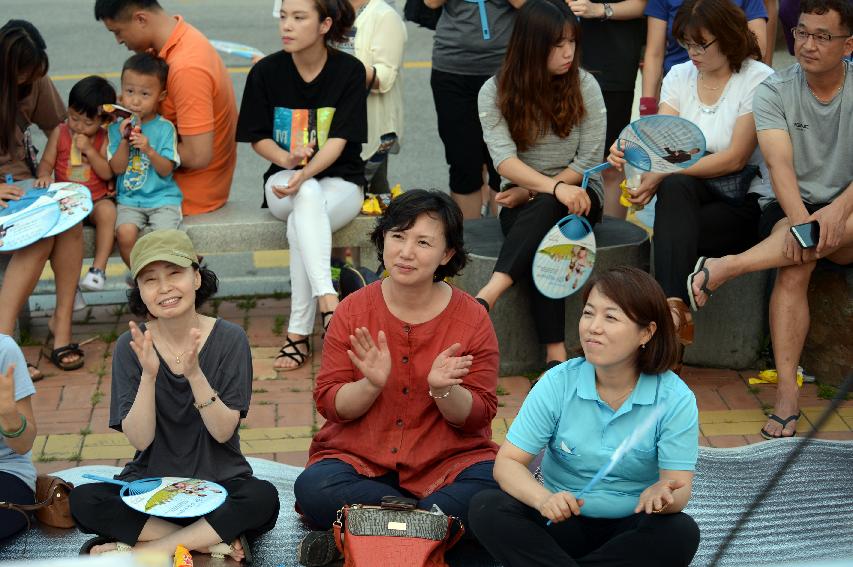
x=618 y=243
x=239 y=226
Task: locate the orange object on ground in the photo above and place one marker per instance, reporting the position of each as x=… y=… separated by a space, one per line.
x=183 y=557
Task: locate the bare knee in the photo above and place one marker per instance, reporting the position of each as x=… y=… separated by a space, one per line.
x=794 y=279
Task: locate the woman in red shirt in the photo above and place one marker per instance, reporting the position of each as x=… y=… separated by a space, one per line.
x=408 y=380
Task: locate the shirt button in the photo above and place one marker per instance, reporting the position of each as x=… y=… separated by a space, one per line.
x=405 y=360
x=405 y=391
x=393 y=449
x=399 y=423
x=406 y=329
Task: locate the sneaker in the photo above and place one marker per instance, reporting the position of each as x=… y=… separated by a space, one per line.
x=317 y=549
x=79 y=301
x=93 y=280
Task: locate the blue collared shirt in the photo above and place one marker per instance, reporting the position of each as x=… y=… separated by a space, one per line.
x=565 y=415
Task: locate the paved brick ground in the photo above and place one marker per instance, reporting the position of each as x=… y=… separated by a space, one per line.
x=72 y=407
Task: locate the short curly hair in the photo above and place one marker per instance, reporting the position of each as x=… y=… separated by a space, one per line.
x=208 y=288
x=404 y=211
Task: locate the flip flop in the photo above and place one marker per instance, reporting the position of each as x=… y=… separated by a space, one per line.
x=699 y=268
x=783 y=422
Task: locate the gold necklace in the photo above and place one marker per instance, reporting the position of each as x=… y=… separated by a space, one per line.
x=707 y=86
x=180 y=355
x=619 y=399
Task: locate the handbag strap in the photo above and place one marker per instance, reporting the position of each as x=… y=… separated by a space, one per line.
x=338 y=541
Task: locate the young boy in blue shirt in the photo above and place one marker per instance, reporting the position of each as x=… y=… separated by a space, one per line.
x=143 y=154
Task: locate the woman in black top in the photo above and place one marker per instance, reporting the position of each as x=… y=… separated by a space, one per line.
x=181 y=382
x=304 y=109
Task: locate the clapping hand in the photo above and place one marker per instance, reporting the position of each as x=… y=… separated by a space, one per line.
x=143 y=347
x=291 y=186
x=373 y=359
x=560 y=506
x=447 y=370
x=190 y=357
x=658 y=496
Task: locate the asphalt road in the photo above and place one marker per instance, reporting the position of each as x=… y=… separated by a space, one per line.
x=78 y=46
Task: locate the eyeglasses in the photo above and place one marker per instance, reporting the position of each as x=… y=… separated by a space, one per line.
x=820 y=38
x=697 y=48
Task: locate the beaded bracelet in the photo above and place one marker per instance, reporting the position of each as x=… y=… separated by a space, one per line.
x=19 y=432
x=444 y=395
x=203 y=405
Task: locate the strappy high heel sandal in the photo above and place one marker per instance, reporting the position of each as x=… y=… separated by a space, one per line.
x=291 y=351
x=326 y=316
x=684 y=330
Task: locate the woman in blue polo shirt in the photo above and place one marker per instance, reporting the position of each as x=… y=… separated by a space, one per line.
x=579 y=413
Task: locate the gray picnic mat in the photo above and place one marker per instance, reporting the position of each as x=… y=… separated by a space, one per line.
x=809 y=517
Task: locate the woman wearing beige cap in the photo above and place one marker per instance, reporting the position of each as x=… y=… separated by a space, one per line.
x=181 y=382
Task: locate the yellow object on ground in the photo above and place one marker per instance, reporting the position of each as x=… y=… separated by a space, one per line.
x=770 y=376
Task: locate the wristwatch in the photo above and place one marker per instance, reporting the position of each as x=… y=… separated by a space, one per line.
x=608 y=11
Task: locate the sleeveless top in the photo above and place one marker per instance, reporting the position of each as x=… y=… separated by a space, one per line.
x=82 y=174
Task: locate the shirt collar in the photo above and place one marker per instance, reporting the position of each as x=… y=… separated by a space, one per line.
x=174 y=38
x=645 y=392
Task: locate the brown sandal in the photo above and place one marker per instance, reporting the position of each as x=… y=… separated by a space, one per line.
x=684 y=330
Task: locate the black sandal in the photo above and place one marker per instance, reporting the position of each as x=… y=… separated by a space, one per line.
x=326 y=321
x=296 y=355
x=35 y=373
x=57 y=354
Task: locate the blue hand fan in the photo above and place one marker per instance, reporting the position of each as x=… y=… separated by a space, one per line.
x=565 y=258
x=170 y=497
x=27 y=220
x=662 y=143
x=238 y=49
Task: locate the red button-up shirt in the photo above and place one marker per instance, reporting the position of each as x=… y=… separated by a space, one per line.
x=403 y=431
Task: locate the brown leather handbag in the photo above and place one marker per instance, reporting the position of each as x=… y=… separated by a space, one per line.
x=52 y=507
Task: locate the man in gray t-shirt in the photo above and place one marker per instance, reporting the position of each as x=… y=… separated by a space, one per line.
x=805 y=131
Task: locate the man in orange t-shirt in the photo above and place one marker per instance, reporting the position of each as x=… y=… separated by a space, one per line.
x=199 y=100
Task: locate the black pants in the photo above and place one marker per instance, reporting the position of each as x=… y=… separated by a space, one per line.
x=13 y=489
x=691 y=222
x=524 y=227
x=251 y=509
x=459 y=128
x=517 y=536
x=619 y=105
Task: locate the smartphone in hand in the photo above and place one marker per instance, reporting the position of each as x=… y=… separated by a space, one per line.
x=806 y=234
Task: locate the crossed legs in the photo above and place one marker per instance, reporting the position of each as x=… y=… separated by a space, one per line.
x=789 y=308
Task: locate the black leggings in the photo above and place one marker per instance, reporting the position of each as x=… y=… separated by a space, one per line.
x=691 y=222
x=517 y=536
x=524 y=227
x=13 y=489
x=250 y=509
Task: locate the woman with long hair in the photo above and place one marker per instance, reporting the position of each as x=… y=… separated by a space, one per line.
x=578 y=414
x=714 y=90
x=27 y=96
x=304 y=111
x=544 y=121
